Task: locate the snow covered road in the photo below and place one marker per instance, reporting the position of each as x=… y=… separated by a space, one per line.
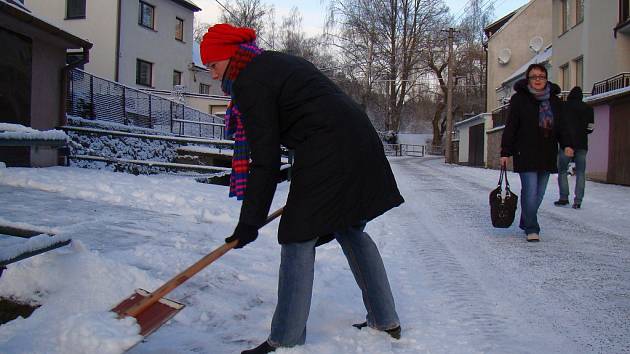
x=460 y=285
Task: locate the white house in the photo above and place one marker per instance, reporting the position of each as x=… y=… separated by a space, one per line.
x=141 y=43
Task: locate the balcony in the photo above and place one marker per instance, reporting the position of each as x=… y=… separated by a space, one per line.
x=614 y=83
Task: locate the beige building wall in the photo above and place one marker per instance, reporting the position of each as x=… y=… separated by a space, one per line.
x=98 y=27
x=593 y=40
x=157 y=46
x=533 y=20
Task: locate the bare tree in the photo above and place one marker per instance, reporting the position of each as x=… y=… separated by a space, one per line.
x=383 y=42
x=199 y=29
x=246 y=13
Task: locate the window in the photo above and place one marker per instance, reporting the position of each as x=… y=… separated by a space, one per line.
x=144 y=73
x=177 y=77
x=564 y=13
x=579 y=11
x=564 y=76
x=75 y=9
x=147 y=15
x=579 y=72
x=179 y=29
x=204 y=89
x=624 y=10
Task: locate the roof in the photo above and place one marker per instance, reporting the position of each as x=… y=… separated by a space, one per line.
x=480 y=116
x=188 y=4
x=541 y=57
x=21 y=13
x=490 y=29
x=509 y=19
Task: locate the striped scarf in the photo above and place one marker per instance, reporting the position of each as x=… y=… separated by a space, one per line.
x=234 y=120
x=545 y=114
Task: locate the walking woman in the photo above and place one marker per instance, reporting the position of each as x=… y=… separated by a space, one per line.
x=531 y=136
x=340 y=178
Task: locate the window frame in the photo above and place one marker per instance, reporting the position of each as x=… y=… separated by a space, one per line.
x=579 y=11
x=177 y=74
x=624 y=11
x=139 y=63
x=579 y=71
x=179 y=25
x=564 y=16
x=142 y=5
x=80 y=16
x=565 y=76
x=201 y=88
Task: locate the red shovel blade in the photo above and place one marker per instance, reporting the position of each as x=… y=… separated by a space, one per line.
x=154 y=316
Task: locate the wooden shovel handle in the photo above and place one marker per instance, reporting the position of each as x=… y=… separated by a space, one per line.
x=189 y=272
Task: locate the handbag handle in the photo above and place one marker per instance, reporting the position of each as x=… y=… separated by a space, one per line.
x=503 y=174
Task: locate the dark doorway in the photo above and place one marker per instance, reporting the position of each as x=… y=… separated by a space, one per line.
x=15 y=78
x=619 y=148
x=475 y=145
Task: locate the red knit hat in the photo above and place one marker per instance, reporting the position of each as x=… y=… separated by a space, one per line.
x=222 y=40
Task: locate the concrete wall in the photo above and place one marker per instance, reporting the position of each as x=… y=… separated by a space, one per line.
x=493 y=137
x=48 y=59
x=534 y=20
x=593 y=39
x=99 y=28
x=598 y=141
x=157 y=46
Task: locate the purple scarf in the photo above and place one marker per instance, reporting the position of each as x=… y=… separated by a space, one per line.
x=545 y=114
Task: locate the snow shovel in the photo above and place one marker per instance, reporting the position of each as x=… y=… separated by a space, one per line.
x=151 y=310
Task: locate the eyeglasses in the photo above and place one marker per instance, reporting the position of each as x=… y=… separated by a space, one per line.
x=538 y=78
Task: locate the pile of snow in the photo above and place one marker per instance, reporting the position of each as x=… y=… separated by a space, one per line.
x=20 y=132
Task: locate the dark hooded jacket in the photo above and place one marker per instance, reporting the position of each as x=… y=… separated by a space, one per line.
x=579 y=118
x=524 y=140
x=340 y=176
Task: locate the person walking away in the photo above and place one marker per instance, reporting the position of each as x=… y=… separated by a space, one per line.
x=341 y=178
x=531 y=136
x=578 y=118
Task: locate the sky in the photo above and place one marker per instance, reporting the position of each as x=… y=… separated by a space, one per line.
x=460 y=286
x=313 y=11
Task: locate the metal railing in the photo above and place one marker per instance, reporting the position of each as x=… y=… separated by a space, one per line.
x=614 y=83
x=92 y=97
x=404 y=150
x=499 y=115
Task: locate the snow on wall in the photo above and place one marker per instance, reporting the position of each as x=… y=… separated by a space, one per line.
x=20 y=132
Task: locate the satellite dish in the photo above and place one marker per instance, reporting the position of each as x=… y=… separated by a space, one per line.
x=504 y=56
x=536 y=44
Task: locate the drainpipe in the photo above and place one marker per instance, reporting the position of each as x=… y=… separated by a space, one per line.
x=65 y=73
x=117 y=51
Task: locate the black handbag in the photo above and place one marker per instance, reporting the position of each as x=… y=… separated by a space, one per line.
x=503 y=207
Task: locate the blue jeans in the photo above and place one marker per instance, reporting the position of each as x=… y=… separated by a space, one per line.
x=533 y=186
x=580 y=175
x=295 y=286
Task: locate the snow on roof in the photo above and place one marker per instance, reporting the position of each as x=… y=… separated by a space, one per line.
x=196 y=53
x=607 y=95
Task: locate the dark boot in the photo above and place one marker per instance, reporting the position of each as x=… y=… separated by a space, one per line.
x=393 y=332
x=561 y=202
x=261 y=349
x=577 y=205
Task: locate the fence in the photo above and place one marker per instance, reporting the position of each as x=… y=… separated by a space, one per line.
x=92 y=97
x=616 y=82
x=404 y=150
x=499 y=116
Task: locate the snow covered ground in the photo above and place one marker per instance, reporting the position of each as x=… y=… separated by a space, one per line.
x=460 y=285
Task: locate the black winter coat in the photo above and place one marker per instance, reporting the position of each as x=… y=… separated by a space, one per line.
x=340 y=175
x=579 y=118
x=524 y=140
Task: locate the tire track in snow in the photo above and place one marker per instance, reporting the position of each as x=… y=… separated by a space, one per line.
x=456 y=302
